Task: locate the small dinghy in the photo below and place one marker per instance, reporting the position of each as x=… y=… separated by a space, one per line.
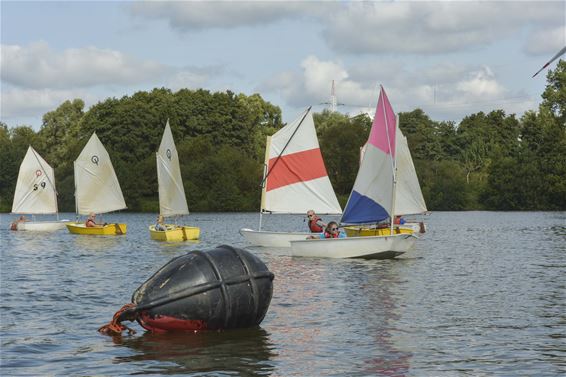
x=222 y=288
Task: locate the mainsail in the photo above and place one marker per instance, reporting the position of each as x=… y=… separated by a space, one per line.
x=96 y=186
x=35 y=188
x=296 y=178
x=172 y=200
x=372 y=196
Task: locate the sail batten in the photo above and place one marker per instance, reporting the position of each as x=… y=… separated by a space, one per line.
x=296 y=178
x=172 y=199
x=35 y=188
x=96 y=185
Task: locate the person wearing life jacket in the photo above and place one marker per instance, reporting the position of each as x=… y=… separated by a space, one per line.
x=332 y=231
x=90 y=221
x=315 y=223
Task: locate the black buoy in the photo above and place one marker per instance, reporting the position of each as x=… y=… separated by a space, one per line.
x=222 y=288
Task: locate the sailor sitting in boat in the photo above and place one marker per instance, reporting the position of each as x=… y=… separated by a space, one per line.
x=91 y=221
x=315 y=223
x=331 y=231
x=159 y=224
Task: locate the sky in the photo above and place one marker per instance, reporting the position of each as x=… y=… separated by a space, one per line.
x=448 y=58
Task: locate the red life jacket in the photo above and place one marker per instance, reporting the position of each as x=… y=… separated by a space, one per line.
x=313 y=226
x=330 y=235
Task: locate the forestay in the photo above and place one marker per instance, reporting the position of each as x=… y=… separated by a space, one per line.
x=296 y=178
x=172 y=200
x=35 y=188
x=371 y=199
x=96 y=185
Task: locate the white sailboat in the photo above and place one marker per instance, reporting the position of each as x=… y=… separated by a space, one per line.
x=372 y=199
x=36 y=194
x=409 y=198
x=172 y=199
x=295 y=181
x=97 y=189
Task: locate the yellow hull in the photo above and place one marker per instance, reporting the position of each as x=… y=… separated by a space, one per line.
x=174 y=233
x=103 y=230
x=361 y=231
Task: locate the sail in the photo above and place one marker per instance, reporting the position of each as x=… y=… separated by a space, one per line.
x=172 y=200
x=408 y=195
x=96 y=186
x=371 y=198
x=296 y=179
x=35 y=188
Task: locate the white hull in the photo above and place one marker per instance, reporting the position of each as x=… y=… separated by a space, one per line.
x=375 y=247
x=272 y=239
x=42 y=226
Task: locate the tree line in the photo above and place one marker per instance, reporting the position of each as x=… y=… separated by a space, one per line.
x=489 y=161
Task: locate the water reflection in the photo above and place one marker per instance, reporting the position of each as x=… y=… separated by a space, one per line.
x=245 y=352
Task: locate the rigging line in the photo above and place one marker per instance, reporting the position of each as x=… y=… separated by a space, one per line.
x=285 y=147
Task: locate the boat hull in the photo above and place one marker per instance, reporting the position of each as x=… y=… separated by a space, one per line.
x=272 y=239
x=42 y=226
x=105 y=230
x=371 y=247
x=174 y=233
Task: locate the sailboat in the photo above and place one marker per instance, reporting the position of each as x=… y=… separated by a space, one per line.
x=408 y=195
x=172 y=200
x=294 y=181
x=36 y=194
x=97 y=189
x=372 y=199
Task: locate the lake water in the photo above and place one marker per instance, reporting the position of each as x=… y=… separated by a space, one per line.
x=483 y=294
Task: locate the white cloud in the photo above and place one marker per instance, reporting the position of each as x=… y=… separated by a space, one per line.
x=16 y=102
x=444 y=91
x=37 y=66
x=547 y=41
x=433 y=27
x=197 y=15
x=429 y=27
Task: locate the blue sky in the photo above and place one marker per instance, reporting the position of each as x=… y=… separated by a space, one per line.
x=450 y=59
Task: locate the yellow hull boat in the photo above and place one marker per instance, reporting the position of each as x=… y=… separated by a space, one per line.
x=102 y=230
x=360 y=231
x=174 y=233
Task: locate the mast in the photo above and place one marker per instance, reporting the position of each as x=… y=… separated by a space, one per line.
x=394 y=167
x=264 y=179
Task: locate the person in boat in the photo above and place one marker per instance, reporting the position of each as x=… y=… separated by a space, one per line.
x=398 y=220
x=315 y=223
x=331 y=231
x=14 y=225
x=91 y=221
x=159 y=223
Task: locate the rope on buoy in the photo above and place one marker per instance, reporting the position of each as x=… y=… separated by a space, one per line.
x=115 y=327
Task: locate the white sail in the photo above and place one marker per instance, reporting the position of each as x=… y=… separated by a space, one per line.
x=35 y=188
x=296 y=176
x=172 y=200
x=96 y=186
x=408 y=197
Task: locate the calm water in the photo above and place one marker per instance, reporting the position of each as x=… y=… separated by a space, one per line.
x=484 y=294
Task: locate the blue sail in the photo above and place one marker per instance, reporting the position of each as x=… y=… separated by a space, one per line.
x=363 y=210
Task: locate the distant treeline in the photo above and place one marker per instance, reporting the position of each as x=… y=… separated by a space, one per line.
x=488 y=161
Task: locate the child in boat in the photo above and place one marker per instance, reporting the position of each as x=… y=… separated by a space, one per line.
x=331 y=231
x=315 y=223
x=14 y=225
x=159 y=223
x=91 y=221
